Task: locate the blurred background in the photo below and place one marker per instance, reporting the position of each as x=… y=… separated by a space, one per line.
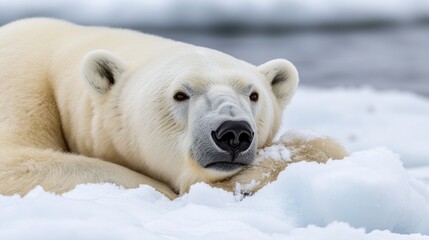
x=347 y=43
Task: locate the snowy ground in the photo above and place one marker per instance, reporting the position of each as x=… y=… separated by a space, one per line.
x=364 y=118
x=369 y=195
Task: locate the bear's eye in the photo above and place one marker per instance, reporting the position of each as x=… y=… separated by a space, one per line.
x=180 y=97
x=254 y=96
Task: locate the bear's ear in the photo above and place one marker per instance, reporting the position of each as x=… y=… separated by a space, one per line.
x=282 y=77
x=101 y=69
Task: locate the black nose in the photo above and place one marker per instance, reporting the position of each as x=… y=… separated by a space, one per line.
x=233 y=136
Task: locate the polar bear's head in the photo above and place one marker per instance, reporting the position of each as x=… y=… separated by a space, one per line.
x=193 y=114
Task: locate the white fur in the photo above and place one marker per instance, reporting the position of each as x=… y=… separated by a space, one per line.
x=90 y=72
x=56 y=126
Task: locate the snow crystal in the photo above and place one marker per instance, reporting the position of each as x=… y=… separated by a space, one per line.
x=239 y=188
x=276 y=152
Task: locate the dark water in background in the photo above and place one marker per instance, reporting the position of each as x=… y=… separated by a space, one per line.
x=385 y=58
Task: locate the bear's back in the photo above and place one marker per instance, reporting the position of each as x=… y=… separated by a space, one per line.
x=44 y=34
x=49 y=49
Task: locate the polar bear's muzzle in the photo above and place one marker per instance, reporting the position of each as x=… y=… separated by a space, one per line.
x=233 y=137
x=228 y=147
x=224 y=135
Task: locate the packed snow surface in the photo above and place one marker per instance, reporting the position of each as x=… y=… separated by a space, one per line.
x=368 y=195
x=364 y=118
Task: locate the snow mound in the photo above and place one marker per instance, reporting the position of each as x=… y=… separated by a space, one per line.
x=367 y=195
x=370 y=189
x=365 y=118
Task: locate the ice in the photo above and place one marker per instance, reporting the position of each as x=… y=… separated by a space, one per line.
x=368 y=195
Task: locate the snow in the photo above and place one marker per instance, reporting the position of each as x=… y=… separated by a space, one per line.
x=364 y=118
x=369 y=189
x=276 y=152
x=422 y=173
x=368 y=195
x=212 y=13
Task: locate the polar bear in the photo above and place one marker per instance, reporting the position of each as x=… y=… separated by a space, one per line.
x=293 y=146
x=94 y=104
